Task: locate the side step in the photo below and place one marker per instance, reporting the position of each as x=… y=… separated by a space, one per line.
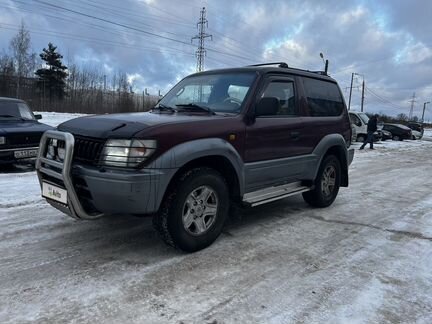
x=267 y=195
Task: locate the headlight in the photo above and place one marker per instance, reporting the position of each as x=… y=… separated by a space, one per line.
x=56 y=150
x=127 y=153
x=2 y=140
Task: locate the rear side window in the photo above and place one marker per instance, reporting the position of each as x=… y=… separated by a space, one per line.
x=324 y=98
x=284 y=92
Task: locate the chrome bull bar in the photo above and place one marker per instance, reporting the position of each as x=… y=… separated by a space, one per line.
x=74 y=207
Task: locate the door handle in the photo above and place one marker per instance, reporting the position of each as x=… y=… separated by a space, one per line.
x=295 y=135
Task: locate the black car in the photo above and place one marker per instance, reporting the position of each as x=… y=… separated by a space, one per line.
x=399 y=132
x=20 y=132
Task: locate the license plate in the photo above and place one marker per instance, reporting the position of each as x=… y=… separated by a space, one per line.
x=53 y=192
x=25 y=154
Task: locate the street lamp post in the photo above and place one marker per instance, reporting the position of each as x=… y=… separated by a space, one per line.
x=424 y=108
x=326 y=63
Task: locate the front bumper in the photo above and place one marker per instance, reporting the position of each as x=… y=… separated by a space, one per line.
x=120 y=192
x=7 y=156
x=94 y=192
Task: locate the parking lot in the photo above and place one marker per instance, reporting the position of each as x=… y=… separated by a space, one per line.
x=365 y=259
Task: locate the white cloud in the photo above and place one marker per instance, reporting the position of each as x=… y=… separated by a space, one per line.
x=414 y=54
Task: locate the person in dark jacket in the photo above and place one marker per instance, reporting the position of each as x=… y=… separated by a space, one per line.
x=371 y=129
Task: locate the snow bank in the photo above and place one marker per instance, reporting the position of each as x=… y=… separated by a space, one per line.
x=54 y=119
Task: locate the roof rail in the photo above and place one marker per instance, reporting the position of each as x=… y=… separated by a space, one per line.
x=284 y=65
x=280 y=64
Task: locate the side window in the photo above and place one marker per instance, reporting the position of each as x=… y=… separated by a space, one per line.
x=355 y=120
x=284 y=92
x=324 y=98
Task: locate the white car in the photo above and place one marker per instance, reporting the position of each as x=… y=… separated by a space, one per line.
x=359 y=121
x=416 y=135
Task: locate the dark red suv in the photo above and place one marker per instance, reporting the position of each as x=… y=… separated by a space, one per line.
x=247 y=135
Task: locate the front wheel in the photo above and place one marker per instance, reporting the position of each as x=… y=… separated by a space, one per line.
x=194 y=210
x=396 y=138
x=327 y=183
x=360 y=138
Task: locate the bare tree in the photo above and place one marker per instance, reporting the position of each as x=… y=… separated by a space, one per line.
x=24 y=61
x=402 y=117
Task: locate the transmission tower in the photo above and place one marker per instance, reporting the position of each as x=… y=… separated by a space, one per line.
x=412 y=107
x=201 y=52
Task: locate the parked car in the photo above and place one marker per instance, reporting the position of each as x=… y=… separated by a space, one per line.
x=20 y=131
x=399 y=132
x=222 y=137
x=385 y=135
x=416 y=129
x=354 y=134
x=360 y=120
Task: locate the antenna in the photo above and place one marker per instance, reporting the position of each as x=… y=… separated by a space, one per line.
x=201 y=52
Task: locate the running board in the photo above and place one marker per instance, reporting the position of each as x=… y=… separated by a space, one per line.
x=267 y=195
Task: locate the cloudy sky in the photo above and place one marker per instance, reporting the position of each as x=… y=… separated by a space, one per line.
x=388 y=43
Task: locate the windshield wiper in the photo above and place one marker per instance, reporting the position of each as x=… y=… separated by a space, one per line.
x=162 y=107
x=195 y=106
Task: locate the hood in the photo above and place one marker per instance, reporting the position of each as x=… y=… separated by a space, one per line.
x=128 y=124
x=22 y=127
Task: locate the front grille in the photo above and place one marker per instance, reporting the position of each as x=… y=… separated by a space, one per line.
x=88 y=150
x=24 y=139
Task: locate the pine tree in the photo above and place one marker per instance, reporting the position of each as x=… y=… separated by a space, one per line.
x=53 y=76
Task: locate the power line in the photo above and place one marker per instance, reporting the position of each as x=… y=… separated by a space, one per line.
x=135 y=29
x=111 y=22
x=99 y=40
x=382 y=99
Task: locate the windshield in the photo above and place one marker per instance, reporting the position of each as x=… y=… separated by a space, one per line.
x=364 y=117
x=223 y=92
x=15 y=110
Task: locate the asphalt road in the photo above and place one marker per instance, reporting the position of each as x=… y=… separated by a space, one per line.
x=365 y=259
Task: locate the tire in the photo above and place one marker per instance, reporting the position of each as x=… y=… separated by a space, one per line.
x=324 y=194
x=184 y=220
x=360 y=138
x=396 y=138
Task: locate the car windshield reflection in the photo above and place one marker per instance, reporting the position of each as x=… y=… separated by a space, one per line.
x=15 y=110
x=219 y=92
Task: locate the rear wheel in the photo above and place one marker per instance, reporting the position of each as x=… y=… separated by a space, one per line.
x=327 y=183
x=396 y=138
x=194 y=211
x=360 y=138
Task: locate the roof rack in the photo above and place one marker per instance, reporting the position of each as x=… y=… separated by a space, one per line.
x=280 y=64
x=285 y=65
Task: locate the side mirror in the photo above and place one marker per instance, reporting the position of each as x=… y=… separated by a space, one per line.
x=358 y=123
x=38 y=116
x=267 y=106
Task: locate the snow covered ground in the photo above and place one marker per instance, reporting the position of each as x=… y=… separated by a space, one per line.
x=365 y=259
x=54 y=118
